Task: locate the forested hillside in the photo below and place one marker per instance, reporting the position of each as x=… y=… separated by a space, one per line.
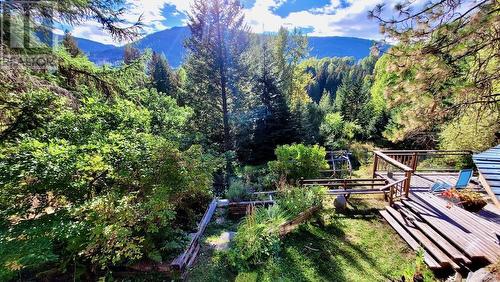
x=108 y=168
x=170 y=42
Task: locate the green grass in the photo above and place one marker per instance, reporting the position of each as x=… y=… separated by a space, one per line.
x=358 y=246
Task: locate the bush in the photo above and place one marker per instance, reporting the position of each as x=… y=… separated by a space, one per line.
x=337 y=132
x=295 y=200
x=98 y=179
x=257 y=238
x=257 y=177
x=298 y=161
x=237 y=191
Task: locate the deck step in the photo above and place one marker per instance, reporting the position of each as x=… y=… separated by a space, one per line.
x=467 y=242
x=446 y=246
x=429 y=260
x=428 y=245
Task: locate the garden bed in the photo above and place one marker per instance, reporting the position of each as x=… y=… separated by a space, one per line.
x=240 y=209
x=296 y=222
x=351 y=248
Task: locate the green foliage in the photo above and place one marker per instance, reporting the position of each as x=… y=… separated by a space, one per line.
x=237 y=191
x=432 y=84
x=257 y=238
x=295 y=200
x=100 y=176
x=328 y=74
x=419 y=270
x=298 y=161
x=27 y=246
x=161 y=75
x=338 y=133
x=257 y=177
x=468 y=133
x=268 y=123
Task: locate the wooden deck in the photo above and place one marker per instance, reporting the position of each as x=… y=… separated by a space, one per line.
x=422 y=181
x=451 y=237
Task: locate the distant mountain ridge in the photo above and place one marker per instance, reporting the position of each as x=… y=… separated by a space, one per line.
x=171 y=43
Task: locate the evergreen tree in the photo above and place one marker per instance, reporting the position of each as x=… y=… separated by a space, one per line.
x=71 y=45
x=214 y=67
x=272 y=125
x=289 y=49
x=161 y=75
x=326 y=103
x=130 y=54
x=351 y=98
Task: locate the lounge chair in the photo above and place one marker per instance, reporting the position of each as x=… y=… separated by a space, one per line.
x=462 y=182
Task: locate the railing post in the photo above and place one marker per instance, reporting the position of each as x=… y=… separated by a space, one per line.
x=375 y=164
x=414 y=161
x=407 y=183
x=391 y=196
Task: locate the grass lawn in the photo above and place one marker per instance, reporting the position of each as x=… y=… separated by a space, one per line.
x=357 y=246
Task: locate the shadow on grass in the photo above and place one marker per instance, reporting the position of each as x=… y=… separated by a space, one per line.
x=327 y=253
x=354 y=246
x=322 y=253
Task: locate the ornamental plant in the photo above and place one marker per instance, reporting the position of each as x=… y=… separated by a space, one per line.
x=297 y=161
x=470 y=200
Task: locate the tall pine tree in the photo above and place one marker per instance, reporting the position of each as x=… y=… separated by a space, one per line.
x=130 y=54
x=161 y=75
x=214 y=67
x=272 y=120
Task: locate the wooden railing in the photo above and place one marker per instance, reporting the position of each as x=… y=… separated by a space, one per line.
x=430 y=160
x=384 y=165
x=409 y=162
x=187 y=258
x=344 y=183
x=396 y=190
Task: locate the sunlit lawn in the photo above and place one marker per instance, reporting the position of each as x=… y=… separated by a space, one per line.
x=358 y=246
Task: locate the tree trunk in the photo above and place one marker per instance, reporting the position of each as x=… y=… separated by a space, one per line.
x=225 y=112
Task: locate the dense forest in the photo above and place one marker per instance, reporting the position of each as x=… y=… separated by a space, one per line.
x=103 y=167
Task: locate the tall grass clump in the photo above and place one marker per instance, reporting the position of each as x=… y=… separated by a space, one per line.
x=257 y=238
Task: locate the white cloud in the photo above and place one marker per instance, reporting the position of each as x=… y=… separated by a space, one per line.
x=92 y=31
x=333 y=19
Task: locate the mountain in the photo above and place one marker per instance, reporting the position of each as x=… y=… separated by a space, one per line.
x=86 y=44
x=170 y=42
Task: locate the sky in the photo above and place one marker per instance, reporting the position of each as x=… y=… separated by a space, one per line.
x=314 y=17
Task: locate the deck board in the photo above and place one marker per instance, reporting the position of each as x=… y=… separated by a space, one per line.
x=477 y=236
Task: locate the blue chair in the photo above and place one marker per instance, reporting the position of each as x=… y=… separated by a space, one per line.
x=462 y=182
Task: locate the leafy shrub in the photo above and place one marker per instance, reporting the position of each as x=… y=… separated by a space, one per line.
x=257 y=177
x=295 y=200
x=237 y=191
x=298 y=161
x=419 y=270
x=337 y=132
x=98 y=179
x=257 y=238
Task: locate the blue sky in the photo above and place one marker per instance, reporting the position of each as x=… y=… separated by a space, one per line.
x=316 y=17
